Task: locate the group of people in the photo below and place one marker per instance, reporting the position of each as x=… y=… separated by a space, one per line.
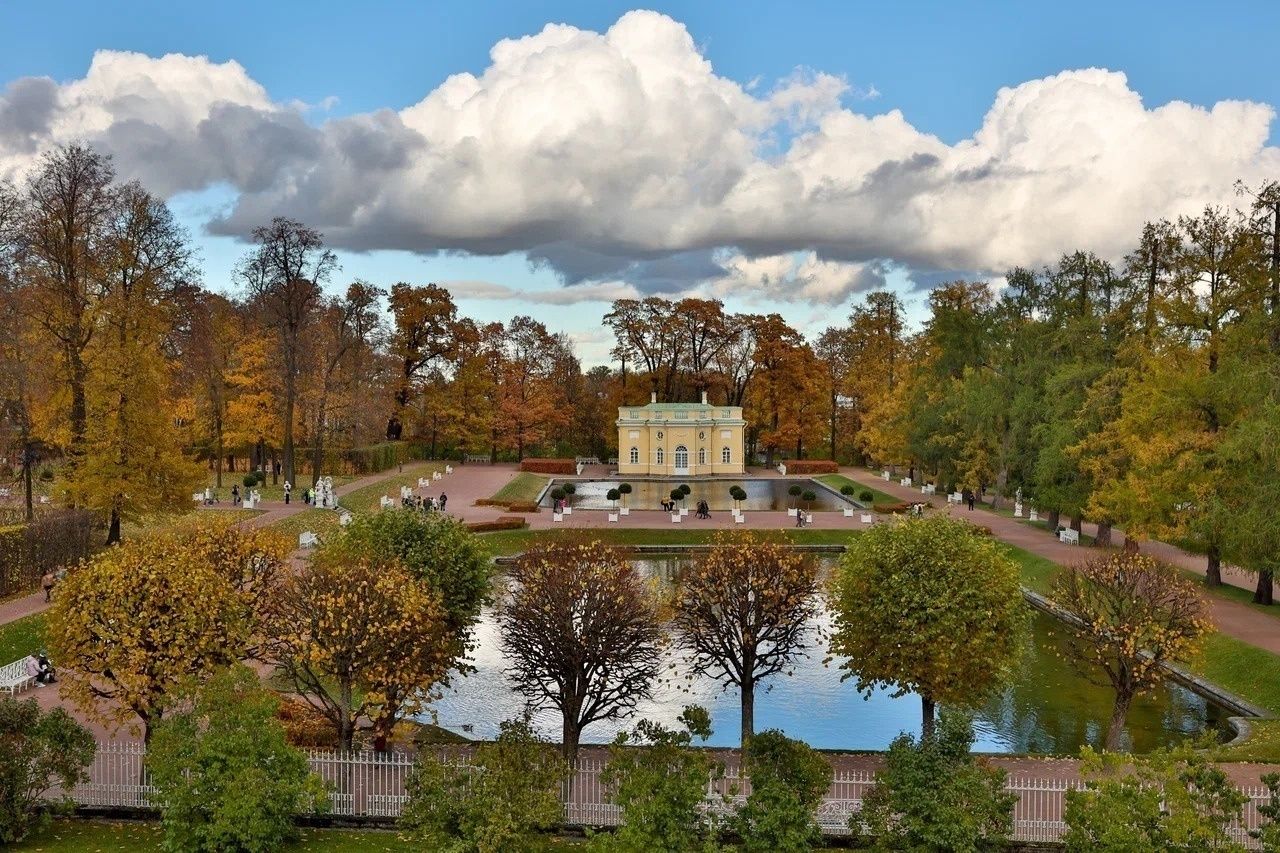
x=427 y=503
x=39 y=668
x=704 y=510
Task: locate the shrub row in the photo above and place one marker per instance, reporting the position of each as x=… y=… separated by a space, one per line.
x=505 y=522
x=549 y=466
x=53 y=540
x=812 y=466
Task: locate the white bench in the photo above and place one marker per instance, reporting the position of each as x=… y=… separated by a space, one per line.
x=344 y=518
x=386 y=502
x=884 y=475
x=477 y=457
x=587 y=460
x=448 y=469
x=307 y=539
x=866 y=518
x=905 y=481
x=1069 y=536
x=928 y=489
x=14 y=676
x=423 y=482
x=955 y=498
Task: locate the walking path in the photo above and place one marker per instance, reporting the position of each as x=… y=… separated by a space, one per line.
x=1230 y=617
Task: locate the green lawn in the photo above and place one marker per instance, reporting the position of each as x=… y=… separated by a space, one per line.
x=21 y=638
x=1037 y=571
x=506 y=542
x=85 y=836
x=836 y=481
x=1262 y=745
x=368 y=498
x=1247 y=671
x=523 y=487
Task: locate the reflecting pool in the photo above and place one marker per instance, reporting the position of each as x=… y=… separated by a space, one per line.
x=648 y=494
x=1047 y=707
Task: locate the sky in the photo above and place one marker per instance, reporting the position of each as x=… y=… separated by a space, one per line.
x=546 y=158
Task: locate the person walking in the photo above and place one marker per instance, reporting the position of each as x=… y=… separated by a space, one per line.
x=288 y=488
x=46 y=581
x=235 y=495
x=973 y=499
x=444 y=499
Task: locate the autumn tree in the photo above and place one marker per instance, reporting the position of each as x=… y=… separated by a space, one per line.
x=359 y=639
x=254 y=562
x=283 y=275
x=138 y=619
x=531 y=402
x=1133 y=614
x=425 y=331
x=581 y=634
x=216 y=332
x=929 y=606
x=742 y=614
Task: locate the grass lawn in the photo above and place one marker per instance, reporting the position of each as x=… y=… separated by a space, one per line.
x=86 y=836
x=524 y=486
x=367 y=499
x=1263 y=744
x=318 y=521
x=835 y=481
x=1037 y=572
x=505 y=542
x=186 y=521
x=1247 y=671
x=21 y=638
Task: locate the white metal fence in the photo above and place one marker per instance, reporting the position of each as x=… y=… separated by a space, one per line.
x=373 y=785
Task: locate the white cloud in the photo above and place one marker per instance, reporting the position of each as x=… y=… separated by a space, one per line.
x=605 y=291
x=611 y=155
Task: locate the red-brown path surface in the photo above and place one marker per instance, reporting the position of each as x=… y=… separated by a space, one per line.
x=1230 y=617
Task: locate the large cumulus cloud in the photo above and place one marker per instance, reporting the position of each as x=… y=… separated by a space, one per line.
x=623 y=158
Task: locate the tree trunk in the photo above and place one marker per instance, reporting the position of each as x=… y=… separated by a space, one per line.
x=28 y=486
x=927 y=706
x=289 y=403
x=1119 y=713
x=1076 y=521
x=1213 y=567
x=748 y=712
x=1263 y=594
x=1052 y=519
x=570 y=734
x=1130 y=544
x=1103 y=539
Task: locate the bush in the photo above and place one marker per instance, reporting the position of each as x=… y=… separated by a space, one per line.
x=812 y=466
x=933 y=795
x=501 y=801
x=809 y=496
x=625 y=488
x=788 y=780
x=685 y=490
x=1166 y=800
x=613 y=495
x=549 y=466
x=305 y=726
x=660 y=781
x=557 y=494
x=794 y=490
x=676 y=494
x=505 y=522
x=250 y=480
x=53 y=540
x=225 y=777
x=522 y=506
x=847 y=490
x=866 y=496
x=569 y=488
x=889 y=509
x=38 y=751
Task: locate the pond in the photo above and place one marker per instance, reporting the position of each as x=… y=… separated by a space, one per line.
x=1047 y=707
x=648 y=494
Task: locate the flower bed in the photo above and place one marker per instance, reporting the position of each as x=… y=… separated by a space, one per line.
x=549 y=466
x=812 y=466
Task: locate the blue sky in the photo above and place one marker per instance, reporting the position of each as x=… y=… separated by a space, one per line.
x=940 y=64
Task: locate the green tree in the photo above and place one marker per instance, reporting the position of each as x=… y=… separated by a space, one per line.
x=788 y=781
x=38 y=751
x=505 y=799
x=1169 y=800
x=660 y=781
x=933 y=795
x=226 y=779
x=929 y=606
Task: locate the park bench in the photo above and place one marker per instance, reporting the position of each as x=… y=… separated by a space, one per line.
x=905 y=481
x=928 y=489
x=14 y=676
x=955 y=498
x=1069 y=536
x=587 y=460
x=478 y=457
x=866 y=518
x=307 y=539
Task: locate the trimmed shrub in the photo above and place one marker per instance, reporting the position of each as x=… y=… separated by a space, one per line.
x=53 y=540
x=848 y=489
x=506 y=522
x=892 y=508
x=549 y=466
x=866 y=496
x=613 y=495
x=557 y=494
x=812 y=466
x=523 y=506
x=250 y=480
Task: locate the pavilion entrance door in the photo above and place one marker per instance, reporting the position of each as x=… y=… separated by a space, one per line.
x=682 y=460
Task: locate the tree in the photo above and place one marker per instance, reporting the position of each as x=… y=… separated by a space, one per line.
x=283 y=275
x=742 y=614
x=136 y=621
x=929 y=606
x=39 y=750
x=225 y=777
x=505 y=798
x=1133 y=615
x=1166 y=800
x=932 y=795
x=788 y=781
x=660 y=782
x=359 y=639
x=581 y=634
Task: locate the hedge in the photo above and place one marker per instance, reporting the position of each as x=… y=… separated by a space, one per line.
x=505 y=522
x=812 y=466
x=53 y=540
x=549 y=466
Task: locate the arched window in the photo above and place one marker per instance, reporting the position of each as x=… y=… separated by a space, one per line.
x=725 y=456
x=702 y=456
x=635 y=456
x=682 y=457
x=661 y=456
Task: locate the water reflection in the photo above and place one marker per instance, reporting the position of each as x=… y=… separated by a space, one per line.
x=648 y=494
x=1046 y=708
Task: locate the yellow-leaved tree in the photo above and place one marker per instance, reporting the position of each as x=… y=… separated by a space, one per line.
x=135 y=621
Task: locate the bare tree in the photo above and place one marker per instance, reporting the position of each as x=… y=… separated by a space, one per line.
x=581 y=634
x=1133 y=615
x=283 y=275
x=743 y=612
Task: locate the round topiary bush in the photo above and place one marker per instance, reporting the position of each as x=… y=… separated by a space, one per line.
x=613 y=494
x=250 y=480
x=625 y=488
x=557 y=494
x=794 y=491
x=809 y=496
x=847 y=490
x=684 y=489
x=866 y=496
x=569 y=488
x=676 y=494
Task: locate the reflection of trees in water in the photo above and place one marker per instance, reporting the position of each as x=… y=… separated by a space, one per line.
x=1048 y=707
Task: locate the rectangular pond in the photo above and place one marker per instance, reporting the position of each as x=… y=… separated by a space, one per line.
x=648 y=494
x=1046 y=708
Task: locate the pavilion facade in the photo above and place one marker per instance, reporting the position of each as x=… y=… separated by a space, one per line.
x=680 y=439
